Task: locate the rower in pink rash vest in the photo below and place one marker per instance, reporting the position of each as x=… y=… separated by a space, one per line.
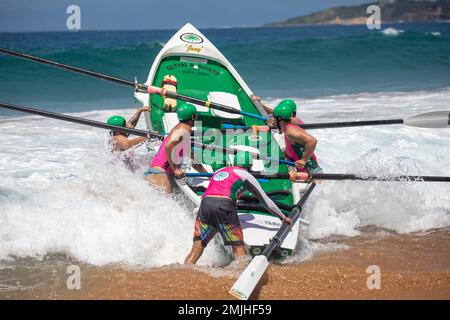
x=218 y=212
x=161 y=161
x=300 y=145
x=293 y=151
x=296 y=120
x=167 y=162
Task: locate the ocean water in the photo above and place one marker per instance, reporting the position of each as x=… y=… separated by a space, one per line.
x=275 y=62
x=61 y=193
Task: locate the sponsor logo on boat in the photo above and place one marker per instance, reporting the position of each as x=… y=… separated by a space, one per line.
x=191 y=38
x=192 y=48
x=221 y=176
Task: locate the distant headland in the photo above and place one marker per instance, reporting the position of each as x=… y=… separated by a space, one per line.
x=391 y=11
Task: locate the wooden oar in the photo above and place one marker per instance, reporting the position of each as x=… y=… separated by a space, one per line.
x=78 y=120
x=303 y=176
x=136 y=132
x=137 y=86
x=434 y=119
x=246 y=283
x=299 y=176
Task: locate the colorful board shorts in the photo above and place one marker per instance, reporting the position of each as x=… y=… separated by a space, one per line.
x=218 y=215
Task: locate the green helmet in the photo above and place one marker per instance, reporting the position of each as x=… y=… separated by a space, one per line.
x=243 y=159
x=185 y=111
x=290 y=103
x=283 y=111
x=117 y=121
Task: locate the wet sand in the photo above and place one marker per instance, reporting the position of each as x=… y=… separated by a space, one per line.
x=412 y=267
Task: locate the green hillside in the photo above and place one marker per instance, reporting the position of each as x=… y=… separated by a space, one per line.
x=391 y=11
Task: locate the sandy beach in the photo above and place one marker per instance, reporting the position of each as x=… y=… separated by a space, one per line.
x=412 y=267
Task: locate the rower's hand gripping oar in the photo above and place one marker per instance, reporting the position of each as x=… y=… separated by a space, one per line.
x=434 y=119
x=134 y=84
x=246 y=283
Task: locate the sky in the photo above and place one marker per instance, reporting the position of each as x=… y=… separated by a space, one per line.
x=50 y=15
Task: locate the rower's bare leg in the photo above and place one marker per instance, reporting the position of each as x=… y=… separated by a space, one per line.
x=161 y=181
x=195 y=254
x=239 y=252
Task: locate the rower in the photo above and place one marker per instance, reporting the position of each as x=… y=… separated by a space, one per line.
x=167 y=162
x=120 y=140
x=300 y=145
x=218 y=212
x=121 y=145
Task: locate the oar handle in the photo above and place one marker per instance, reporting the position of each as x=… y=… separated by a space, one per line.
x=199 y=174
x=252 y=115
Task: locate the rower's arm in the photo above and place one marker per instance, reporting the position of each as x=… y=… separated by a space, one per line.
x=122 y=143
x=177 y=140
x=253 y=185
x=268 y=109
x=300 y=136
x=135 y=117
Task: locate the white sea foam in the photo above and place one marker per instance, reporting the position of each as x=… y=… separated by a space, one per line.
x=60 y=192
x=392 y=32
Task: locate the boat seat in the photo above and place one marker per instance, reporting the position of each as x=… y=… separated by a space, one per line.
x=258 y=165
x=170 y=120
x=227 y=99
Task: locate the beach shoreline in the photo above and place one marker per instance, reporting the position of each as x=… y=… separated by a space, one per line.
x=411 y=267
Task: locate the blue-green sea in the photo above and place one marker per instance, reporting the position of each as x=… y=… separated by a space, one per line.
x=301 y=62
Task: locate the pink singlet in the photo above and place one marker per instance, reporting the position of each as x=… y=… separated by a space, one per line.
x=160 y=160
x=295 y=152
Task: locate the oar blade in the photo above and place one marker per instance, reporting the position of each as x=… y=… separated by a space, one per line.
x=435 y=119
x=246 y=283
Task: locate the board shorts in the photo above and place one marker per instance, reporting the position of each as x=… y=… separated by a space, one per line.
x=218 y=215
